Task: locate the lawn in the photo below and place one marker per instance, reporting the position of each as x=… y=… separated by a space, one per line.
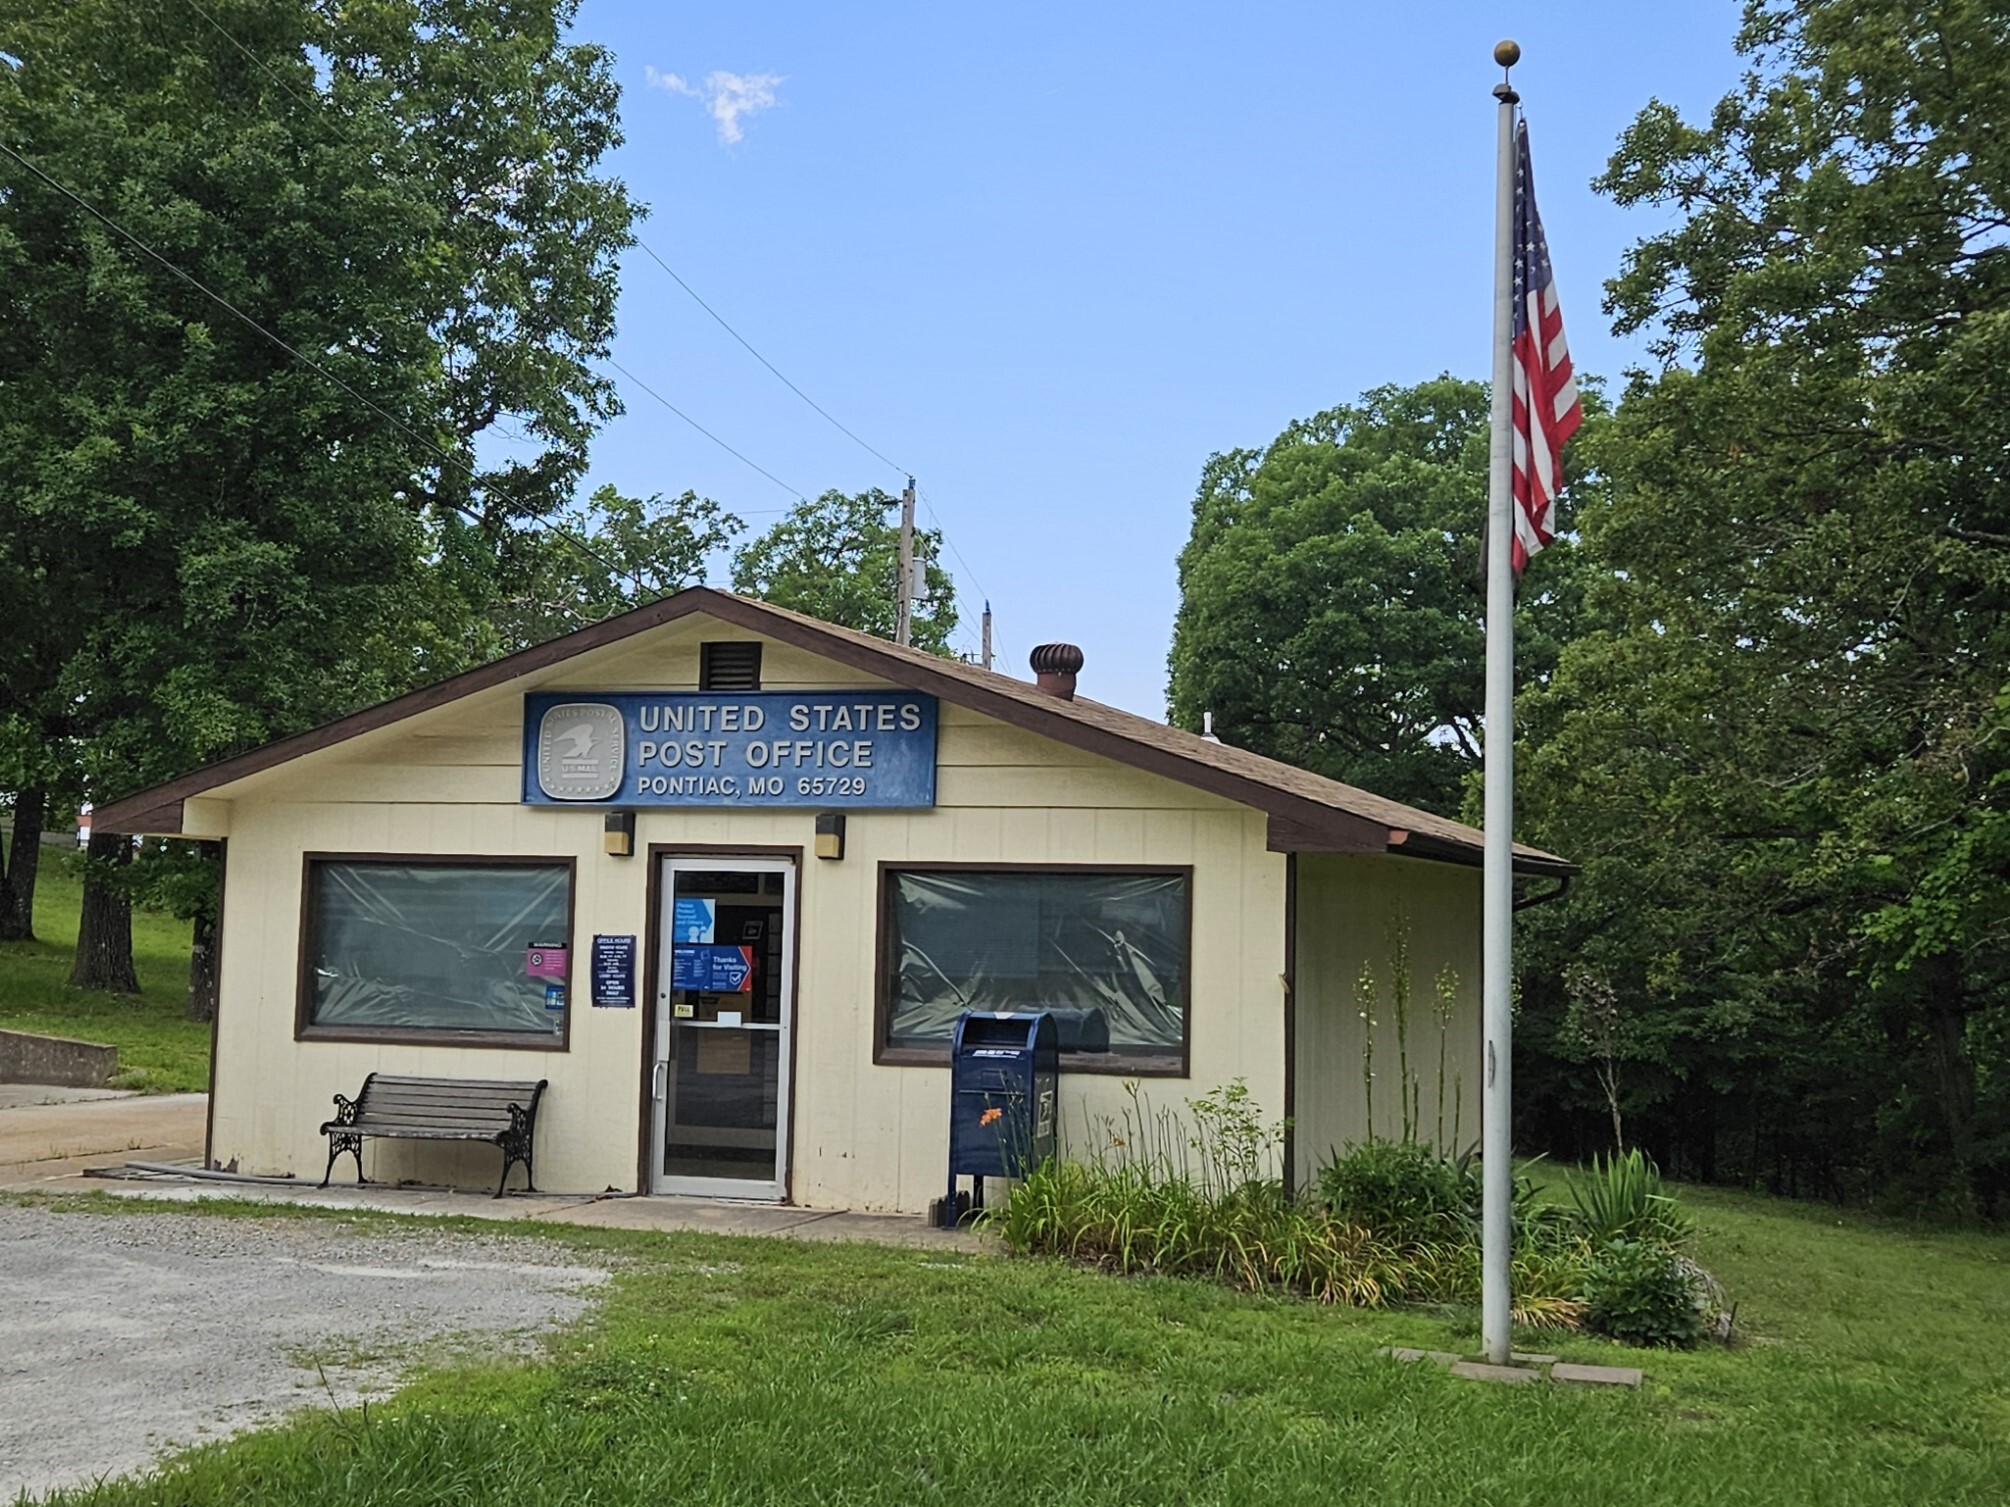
x=160 y=1051
x=741 y=1371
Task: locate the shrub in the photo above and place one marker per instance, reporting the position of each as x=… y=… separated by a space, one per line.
x=1641 y=1293
x=1404 y=1189
x=1620 y=1198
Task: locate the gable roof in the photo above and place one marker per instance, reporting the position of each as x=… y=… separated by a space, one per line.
x=1308 y=813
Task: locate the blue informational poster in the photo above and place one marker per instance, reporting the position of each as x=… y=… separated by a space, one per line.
x=614 y=973
x=693 y=920
x=712 y=970
x=816 y=750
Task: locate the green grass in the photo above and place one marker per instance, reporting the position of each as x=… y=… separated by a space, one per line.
x=159 y=1050
x=743 y=1371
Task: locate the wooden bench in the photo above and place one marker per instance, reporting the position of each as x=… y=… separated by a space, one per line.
x=438 y=1109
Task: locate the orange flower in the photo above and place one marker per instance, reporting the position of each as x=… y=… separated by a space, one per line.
x=991 y=1117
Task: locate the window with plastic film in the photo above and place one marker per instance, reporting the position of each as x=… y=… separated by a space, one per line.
x=411 y=948
x=1106 y=951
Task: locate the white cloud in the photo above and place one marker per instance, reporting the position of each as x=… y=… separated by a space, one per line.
x=729 y=97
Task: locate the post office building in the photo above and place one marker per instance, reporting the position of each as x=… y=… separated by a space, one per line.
x=723 y=878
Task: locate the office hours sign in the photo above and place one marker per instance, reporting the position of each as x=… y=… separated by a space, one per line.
x=730 y=748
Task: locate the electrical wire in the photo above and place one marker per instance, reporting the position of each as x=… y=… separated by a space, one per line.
x=782 y=377
x=558 y=530
x=315 y=101
x=847 y=433
x=648 y=250
x=795 y=492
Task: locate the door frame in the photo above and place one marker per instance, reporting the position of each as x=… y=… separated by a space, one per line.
x=646 y=1156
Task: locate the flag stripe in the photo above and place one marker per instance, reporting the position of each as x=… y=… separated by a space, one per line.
x=1546 y=411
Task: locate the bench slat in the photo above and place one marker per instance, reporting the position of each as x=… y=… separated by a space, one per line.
x=388 y=1080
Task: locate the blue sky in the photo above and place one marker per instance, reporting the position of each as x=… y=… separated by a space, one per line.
x=1050 y=257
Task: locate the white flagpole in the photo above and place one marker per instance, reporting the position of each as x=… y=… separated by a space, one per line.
x=1496 y=968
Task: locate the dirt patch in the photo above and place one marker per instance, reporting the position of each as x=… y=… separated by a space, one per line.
x=124 y=1335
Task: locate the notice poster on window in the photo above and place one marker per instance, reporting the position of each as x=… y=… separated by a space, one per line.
x=546 y=960
x=693 y=920
x=614 y=973
x=712 y=970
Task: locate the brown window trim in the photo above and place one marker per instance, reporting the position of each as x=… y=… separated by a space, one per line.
x=1115 y=1063
x=510 y=1041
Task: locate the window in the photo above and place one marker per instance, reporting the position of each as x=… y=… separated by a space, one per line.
x=1106 y=950
x=435 y=949
x=729 y=667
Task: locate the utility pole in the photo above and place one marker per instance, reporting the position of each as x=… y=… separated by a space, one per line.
x=987 y=635
x=903 y=631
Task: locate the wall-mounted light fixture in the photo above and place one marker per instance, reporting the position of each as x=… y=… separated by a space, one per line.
x=620 y=836
x=830 y=834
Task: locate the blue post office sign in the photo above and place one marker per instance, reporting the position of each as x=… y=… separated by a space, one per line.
x=773 y=749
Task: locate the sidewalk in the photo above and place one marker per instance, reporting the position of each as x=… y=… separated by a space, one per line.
x=43 y=1144
x=46 y=1148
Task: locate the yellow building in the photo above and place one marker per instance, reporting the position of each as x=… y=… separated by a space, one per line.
x=724 y=876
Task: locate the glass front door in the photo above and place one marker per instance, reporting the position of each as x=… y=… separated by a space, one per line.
x=724 y=1013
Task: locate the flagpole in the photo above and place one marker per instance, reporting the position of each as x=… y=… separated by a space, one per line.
x=1496 y=967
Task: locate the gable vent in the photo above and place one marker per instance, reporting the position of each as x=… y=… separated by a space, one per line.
x=729 y=667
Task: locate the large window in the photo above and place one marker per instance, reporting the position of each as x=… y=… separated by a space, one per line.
x=1106 y=950
x=436 y=949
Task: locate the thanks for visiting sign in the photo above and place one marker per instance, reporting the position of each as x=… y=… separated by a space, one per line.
x=748 y=748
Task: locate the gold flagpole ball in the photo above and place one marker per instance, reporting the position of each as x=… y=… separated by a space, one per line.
x=1507 y=52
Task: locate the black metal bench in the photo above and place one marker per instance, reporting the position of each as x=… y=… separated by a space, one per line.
x=501 y=1113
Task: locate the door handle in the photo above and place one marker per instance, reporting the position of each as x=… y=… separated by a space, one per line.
x=658 y=1077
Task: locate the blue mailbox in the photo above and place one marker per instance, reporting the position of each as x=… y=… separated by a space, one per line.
x=1004 y=1072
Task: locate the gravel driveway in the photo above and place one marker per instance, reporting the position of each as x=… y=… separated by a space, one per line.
x=122 y=1335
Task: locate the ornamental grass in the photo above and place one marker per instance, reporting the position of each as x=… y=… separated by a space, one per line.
x=1164 y=1196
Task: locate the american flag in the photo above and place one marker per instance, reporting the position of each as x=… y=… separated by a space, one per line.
x=1546 y=410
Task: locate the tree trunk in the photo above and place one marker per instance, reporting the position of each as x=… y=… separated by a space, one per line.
x=105 y=933
x=202 y=953
x=18 y=870
x=202 y=970
x=1953 y=1073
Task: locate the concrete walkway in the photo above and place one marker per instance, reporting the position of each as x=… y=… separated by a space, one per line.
x=45 y=1143
x=47 y=1149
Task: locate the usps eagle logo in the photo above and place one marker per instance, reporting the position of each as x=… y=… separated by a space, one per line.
x=581 y=753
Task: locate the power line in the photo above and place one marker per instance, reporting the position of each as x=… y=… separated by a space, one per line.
x=780 y=376
x=307 y=361
x=795 y=492
x=650 y=250
x=314 y=101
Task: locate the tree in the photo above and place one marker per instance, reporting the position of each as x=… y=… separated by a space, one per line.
x=1329 y=612
x=1783 y=763
x=218 y=543
x=838 y=559
x=604 y=556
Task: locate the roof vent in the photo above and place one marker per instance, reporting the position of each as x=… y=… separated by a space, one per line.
x=1055 y=667
x=1207 y=728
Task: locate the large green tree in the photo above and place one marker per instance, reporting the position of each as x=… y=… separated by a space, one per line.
x=1784 y=763
x=218 y=543
x=1329 y=607
x=838 y=558
x=604 y=555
